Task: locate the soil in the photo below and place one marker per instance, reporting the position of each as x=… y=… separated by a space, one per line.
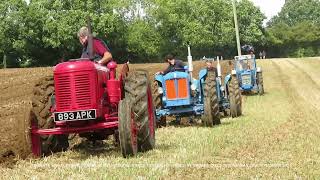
x=16 y=86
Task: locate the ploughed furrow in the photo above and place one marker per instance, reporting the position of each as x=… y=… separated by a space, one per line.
x=310 y=67
x=304 y=84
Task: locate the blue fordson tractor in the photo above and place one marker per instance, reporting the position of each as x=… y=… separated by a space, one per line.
x=248 y=74
x=178 y=94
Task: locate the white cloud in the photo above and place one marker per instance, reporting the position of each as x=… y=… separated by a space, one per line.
x=269 y=7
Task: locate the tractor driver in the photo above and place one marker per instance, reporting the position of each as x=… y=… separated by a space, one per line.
x=248 y=49
x=102 y=54
x=174 y=65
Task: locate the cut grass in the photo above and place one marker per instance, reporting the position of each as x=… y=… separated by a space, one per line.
x=277 y=136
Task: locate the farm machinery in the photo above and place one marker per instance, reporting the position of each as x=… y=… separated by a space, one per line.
x=86 y=98
x=178 y=94
x=248 y=74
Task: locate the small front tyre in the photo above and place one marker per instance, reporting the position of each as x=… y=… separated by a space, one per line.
x=127 y=129
x=157 y=101
x=260 y=83
x=235 y=97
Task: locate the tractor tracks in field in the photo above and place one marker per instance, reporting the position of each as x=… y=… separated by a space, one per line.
x=304 y=84
x=285 y=79
x=302 y=107
x=270 y=136
x=287 y=131
x=305 y=74
x=299 y=134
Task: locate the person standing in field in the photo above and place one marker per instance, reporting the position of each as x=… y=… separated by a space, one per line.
x=260 y=55
x=102 y=54
x=264 y=54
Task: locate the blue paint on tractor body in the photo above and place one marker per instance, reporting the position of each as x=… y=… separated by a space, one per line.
x=246 y=72
x=193 y=104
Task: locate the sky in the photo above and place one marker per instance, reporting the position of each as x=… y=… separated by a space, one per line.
x=269 y=7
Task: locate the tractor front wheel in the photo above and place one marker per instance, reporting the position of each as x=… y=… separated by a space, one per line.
x=260 y=83
x=127 y=129
x=235 y=98
x=40 y=116
x=157 y=100
x=211 y=114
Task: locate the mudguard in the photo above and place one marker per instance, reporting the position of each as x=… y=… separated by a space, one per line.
x=202 y=74
x=175 y=74
x=159 y=78
x=227 y=79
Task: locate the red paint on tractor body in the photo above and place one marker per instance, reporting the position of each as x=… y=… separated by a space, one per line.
x=83 y=85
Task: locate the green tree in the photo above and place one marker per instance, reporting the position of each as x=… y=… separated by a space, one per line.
x=206 y=24
x=62 y=19
x=295 y=30
x=42 y=32
x=143 y=40
x=296 y=11
x=11 y=24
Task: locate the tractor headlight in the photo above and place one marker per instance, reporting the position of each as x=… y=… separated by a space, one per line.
x=259 y=69
x=193 y=87
x=160 y=90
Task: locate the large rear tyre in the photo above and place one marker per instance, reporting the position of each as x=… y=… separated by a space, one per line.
x=211 y=114
x=260 y=83
x=41 y=118
x=138 y=103
x=235 y=98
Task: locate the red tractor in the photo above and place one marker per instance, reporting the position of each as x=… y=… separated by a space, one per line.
x=85 y=98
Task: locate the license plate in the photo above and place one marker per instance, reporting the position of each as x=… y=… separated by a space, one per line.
x=75 y=115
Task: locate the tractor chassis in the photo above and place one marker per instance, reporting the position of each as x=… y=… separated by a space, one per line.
x=64 y=128
x=181 y=111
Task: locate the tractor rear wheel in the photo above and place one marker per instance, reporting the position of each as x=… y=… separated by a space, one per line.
x=139 y=104
x=211 y=114
x=235 y=97
x=260 y=83
x=41 y=116
x=157 y=100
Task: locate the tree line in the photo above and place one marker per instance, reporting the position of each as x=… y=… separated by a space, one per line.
x=43 y=32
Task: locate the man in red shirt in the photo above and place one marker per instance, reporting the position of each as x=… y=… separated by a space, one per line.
x=101 y=51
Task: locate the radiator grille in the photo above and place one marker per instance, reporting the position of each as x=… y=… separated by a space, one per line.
x=73 y=91
x=171 y=90
x=246 y=79
x=82 y=90
x=63 y=92
x=177 y=88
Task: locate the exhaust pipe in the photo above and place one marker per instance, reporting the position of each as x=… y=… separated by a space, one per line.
x=218 y=67
x=219 y=70
x=190 y=65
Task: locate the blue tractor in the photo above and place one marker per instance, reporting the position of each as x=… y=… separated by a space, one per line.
x=178 y=94
x=248 y=74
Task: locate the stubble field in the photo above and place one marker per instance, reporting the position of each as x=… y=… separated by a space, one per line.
x=278 y=134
